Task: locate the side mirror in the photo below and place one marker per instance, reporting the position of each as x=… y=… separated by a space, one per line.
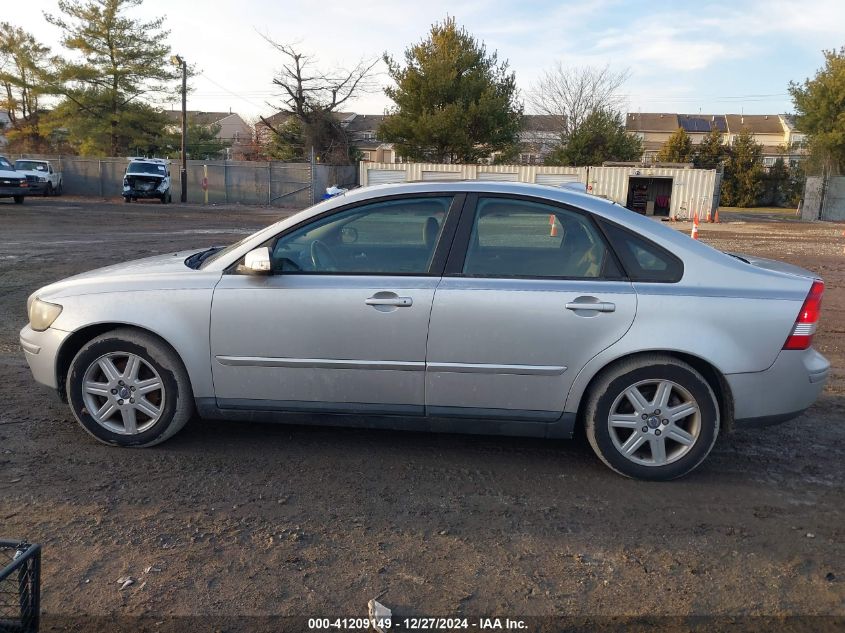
x=257 y=261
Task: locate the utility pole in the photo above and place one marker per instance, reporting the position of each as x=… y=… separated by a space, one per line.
x=183 y=171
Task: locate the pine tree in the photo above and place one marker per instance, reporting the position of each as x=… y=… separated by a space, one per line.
x=710 y=153
x=742 y=183
x=120 y=63
x=677 y=149
x=601 y=137
x=455 y=102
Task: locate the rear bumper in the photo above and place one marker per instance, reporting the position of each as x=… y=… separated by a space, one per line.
x=41 y=350
x=782 y=392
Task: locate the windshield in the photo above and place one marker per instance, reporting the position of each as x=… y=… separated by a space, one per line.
x=30 y=165
x=146 y=168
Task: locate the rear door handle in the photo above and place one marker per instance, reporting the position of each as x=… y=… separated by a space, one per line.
x=601 y=306
x=399 y=302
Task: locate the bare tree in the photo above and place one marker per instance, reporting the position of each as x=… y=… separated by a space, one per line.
x=572 y=94
x=312 y=96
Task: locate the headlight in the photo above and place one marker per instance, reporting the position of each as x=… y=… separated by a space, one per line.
x=42 y=179
x=43 y=314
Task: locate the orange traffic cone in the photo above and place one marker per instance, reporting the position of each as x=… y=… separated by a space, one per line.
x=709 y=219
x=553 y=224
x=694 y=233
x=716 y=217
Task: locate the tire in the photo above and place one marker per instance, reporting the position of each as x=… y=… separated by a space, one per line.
x=60 y=189
x=686 y=439
x=18 y=199
x=127 y=199
x=48 y=190
x=173 y=400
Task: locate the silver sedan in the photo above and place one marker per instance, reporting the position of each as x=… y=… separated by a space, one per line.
x=456 y=307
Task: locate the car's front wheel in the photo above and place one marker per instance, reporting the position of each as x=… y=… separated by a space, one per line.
x=652 y=417
x=18 y=199
x=127 y=388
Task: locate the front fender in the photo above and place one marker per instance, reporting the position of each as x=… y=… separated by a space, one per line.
x=180 y=317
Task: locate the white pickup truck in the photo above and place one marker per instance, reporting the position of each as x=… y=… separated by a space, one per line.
x=12 y=184
x=43 y=178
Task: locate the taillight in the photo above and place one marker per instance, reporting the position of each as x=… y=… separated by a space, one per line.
x=808 y=319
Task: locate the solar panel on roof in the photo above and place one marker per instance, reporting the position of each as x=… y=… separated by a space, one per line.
x=694 y=124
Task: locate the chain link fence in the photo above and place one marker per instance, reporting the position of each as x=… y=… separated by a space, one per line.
x=272 y=183
x=20 y=587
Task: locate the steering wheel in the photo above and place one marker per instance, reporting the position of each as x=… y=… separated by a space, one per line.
x=321 y=256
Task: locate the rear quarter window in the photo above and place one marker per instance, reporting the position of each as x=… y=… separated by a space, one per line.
x=642 y=259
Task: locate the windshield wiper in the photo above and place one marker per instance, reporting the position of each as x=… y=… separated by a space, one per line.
x=196 y=260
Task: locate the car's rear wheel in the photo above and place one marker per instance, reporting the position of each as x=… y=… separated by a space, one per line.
x=652 y=417
x=127 y=388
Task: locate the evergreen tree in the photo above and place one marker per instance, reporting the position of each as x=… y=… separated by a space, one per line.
x=119 y=63
x=455 y=102
x=742 y=182
x=601 y=137
x=677 y=148
x=710 y=153
x=785 y=182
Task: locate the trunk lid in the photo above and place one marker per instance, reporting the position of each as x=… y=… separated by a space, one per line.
x=775 y=265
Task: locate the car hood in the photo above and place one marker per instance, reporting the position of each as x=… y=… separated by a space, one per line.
x=160 y=272
x=32 y=172
x=5 y=173
x=775 y=265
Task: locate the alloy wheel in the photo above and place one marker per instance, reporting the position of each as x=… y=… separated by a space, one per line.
x=654 y=422
x=123 y=393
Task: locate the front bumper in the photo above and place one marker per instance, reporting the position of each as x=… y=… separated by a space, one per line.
x=5 y=192
x=143 y=193
x=41 y=350
x=782 y=392
x=37 y=188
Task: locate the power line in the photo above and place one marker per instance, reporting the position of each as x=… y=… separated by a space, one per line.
x=222 y=87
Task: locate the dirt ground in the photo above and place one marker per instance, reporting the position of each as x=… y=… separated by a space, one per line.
x=232 y=519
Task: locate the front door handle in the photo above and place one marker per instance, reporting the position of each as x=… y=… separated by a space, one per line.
x=399 y=302
x=601 y=306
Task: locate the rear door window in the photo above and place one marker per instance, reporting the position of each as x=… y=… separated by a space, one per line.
x=513 y=237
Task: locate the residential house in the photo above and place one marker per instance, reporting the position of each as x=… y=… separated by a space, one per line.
x=234 y=131
x=539 y=135
x=362 y=131
x=265 y=126
x=772 y=131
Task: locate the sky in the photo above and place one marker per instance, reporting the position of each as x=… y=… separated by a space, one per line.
x=688 y=57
